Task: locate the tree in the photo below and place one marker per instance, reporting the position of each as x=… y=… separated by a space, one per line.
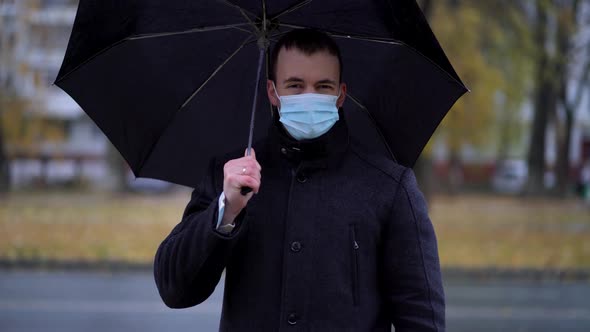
x=509 y=48
x=570 y=87
x=12 y=110
x=118 y=169
x=22 y=134
x=424 y=166
x=490 y=44
x=4 y=162
x=556 y=28
x=464 y=35
x=545 y=100
x=427 y=7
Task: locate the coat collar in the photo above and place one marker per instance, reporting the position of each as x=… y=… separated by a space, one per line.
x=321 y=152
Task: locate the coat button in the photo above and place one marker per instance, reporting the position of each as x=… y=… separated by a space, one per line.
x=292 y=319
x=301 y=178
x=283 y=151
x=296 y=246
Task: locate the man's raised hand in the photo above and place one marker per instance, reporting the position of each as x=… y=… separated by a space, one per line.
x=238 y=173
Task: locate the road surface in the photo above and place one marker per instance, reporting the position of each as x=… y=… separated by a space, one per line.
x=94 y=301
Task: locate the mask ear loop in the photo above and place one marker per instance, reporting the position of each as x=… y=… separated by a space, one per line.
x=278 y=112
x=276 y=93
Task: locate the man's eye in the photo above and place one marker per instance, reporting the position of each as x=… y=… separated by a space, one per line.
x=325 y=86
x=296 y=86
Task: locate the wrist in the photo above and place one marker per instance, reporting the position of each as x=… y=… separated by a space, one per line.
x=227 y=219
x=229 y=214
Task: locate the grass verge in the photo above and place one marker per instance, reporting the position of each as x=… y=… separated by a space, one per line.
x=473 y=231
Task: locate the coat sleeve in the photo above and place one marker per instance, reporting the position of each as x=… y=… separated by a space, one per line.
x=412 y=277
x=189 y=262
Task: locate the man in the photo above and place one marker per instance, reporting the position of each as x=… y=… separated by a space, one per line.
x=331 y=238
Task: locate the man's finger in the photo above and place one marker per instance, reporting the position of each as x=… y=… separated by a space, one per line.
x=251 y=161
x=239 y=180
x=247 y=167
x=254 y=177
x=241 y=170
x=247 y=181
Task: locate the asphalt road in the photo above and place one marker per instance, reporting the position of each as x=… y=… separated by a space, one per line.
x=92 y=301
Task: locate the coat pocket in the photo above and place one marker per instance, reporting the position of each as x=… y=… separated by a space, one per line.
x=354 y=266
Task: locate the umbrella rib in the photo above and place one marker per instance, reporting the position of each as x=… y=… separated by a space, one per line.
x=374 y=122
x=245 y=13
x=346 y=36
x=293 y=26
x=241 y=9
x=369 y=39
x=215 y=72
x=236 y=26
x=242 y=29
x=264 y=16
x=278 y=34
x=381 y=41
x=399 y=43
x=152 y=147
x=292 y=8
x=212 y=28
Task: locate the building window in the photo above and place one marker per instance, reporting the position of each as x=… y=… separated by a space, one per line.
x=45 y=77
x=11 y=40
x=8 y=81
x=53 y=3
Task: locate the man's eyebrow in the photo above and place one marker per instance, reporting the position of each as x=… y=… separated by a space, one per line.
x=326 y=81
x=293 y=79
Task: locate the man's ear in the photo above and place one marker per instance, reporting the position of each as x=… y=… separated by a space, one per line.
x=342 y=97
x=271 y=93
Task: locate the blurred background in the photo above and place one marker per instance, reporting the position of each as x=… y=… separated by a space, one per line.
x=506 y=176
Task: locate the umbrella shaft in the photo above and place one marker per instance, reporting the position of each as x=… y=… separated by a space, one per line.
x=255 y=101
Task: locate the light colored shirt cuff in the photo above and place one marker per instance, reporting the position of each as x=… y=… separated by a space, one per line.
x=221 y=209
x=223 y=228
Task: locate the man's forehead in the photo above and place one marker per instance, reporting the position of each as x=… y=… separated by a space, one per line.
x=294 y=63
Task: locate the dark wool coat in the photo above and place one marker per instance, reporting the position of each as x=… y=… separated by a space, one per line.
x=336 y=240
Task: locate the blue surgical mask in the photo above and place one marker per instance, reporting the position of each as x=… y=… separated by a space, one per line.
x=308 y=115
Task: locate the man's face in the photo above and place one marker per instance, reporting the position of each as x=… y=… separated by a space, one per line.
x=298 y=73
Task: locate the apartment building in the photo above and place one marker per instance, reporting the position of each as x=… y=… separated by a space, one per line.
x=33 y=39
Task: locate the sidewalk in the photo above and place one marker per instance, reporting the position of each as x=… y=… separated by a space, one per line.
x=451 y=273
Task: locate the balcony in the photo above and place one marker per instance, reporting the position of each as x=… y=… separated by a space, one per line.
x=53 y=16
x=8 y=9
x=57 y=104
x=40 y=58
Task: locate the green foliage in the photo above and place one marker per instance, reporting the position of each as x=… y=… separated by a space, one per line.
x=22 y=129
x=490 y=47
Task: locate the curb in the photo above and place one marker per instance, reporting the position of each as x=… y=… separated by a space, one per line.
x=449 y=273
x=75 y=265
x=517 y=274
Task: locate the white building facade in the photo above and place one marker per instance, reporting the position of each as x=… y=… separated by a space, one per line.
x=33 y=39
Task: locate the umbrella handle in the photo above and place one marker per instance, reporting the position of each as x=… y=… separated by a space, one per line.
x=245 y=191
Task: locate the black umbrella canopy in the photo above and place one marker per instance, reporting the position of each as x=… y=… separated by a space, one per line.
x=171 y=83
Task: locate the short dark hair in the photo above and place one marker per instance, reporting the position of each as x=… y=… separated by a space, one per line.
x=309 y=41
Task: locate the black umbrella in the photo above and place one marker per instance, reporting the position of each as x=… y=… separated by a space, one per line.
x=171 y=82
